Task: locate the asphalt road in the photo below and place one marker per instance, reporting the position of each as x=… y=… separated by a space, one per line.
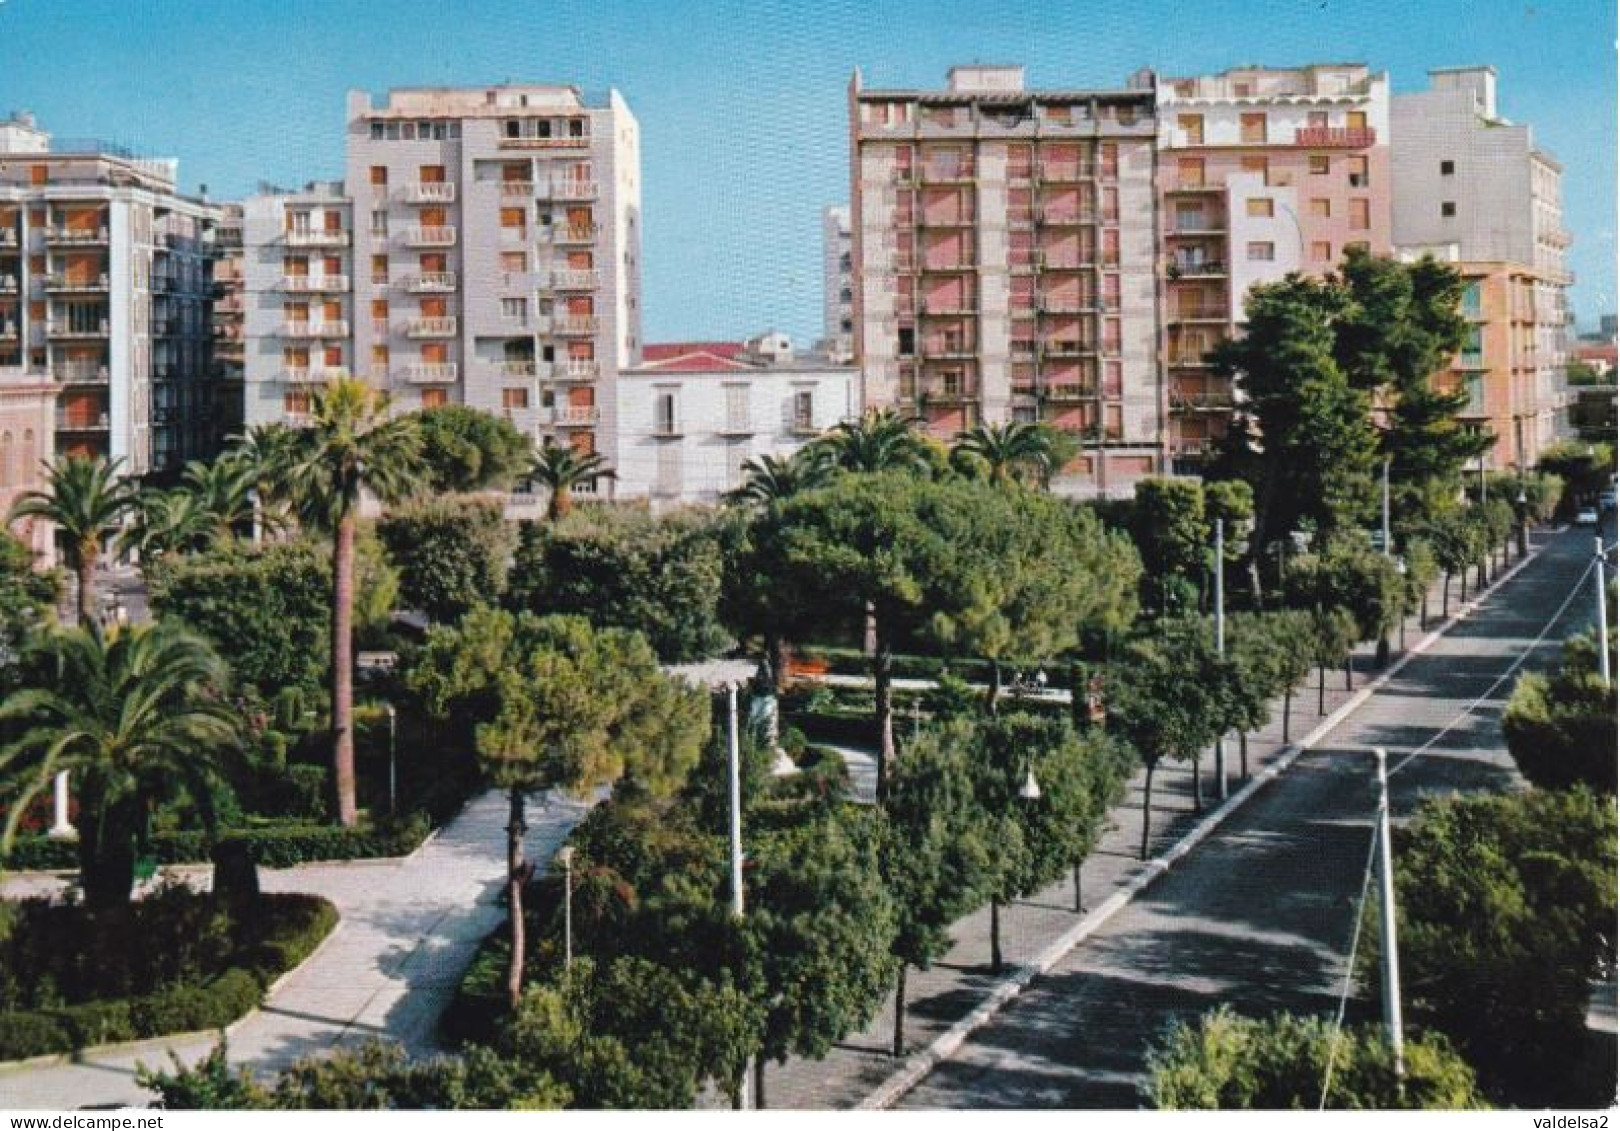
x=1260 y=916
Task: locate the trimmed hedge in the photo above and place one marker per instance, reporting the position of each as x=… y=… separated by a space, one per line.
x=296 y=924
x=274 y=846
x=852 y=661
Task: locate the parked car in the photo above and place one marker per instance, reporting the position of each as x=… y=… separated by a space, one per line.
x=1606 y=500
x=1586 y=516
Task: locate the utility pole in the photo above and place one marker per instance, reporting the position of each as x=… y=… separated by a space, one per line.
x=1603 y=614
x=734 y=772
x=566 y=855
x=1386 y=922
x=1220 y=642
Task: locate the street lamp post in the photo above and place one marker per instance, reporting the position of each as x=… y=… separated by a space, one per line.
x=1602 y=615
x=566 y=855
x=393 y=776
x=1220 y=643
x=1386 y=918
x=1384 y=510
x=1524 y=520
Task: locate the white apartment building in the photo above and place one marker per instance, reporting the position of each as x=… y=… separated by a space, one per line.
x=694 y=412
x=497 y=253
x=105 y=286
x=1474 y=189
x=837 y=284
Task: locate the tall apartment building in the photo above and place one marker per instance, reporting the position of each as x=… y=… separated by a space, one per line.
x=1474 y=189
x=497 y=252
x=298 y=318
x=1004 y=249
x=230 y=335
x=1262 y=171
x=837 y=284
x=105 y=285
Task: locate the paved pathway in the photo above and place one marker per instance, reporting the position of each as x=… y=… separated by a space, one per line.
x=409 y=929
x=1260 y=916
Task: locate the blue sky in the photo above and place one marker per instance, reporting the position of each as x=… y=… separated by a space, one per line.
x=742 y=104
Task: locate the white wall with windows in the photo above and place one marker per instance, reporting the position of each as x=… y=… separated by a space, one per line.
x=684 y=436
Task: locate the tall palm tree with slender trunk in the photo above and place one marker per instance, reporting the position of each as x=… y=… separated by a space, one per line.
x=351 y=448
x=1008 y=452
x=560 y=469
x=262 y=453
x=135 y=714
x=224 y=490
x=87 y=500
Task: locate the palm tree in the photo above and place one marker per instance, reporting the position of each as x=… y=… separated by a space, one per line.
x=1008 y=451
x=224 y=491
x=86 y=500
x=262 y=453
x=166 y=522
x=560 y=470
x=350 y=448
x=769 y=479
x=882 y=440
x=136 y=714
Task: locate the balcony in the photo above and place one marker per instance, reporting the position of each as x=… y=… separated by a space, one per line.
x=79 y=236
x=420 y=235
x=1068 y=394
x=943 y=221
x=314 y=375
x=439 y=373
x=1200 y=314
x=1065 y=348
x=946 y=174
x=736 y=426
x=10 y=331
x=575 y=325
x=1067 y=173
x=8 y=237
x=1200 y=401
x=517 y=369
x=583 y=416
x=1190 y=184
x=1050 y=262
x=946 y=349
x=946 y=393
x=432 y=282
x=1188 y=359
x=438 y=326
x=336 y=329
x=232 y=304
x=430 y=192
x=67 y=330
x=573 y=188
x=80 y=373
x=1196 y=229
x=1204 y=269
x=1336 y=137
x=68 y=284
x=572 y=233
x=948 y=307
x=312 y=237
x=1558 y=237
x=314 y=284
x=82 y=421
x=9 y=285
x=1055 y=305
x=936 y=266
x=1065 y=217
x=517 y=189
x=574 y=279
x=577 y=369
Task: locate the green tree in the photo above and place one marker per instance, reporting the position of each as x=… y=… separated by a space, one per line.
x=452 y=553
x=561 y=469
x=224 y=492
x=1010 y=452
x=466 y=449
x=937 y=861
x=659 y=575
x=164 y=522
x=351 y=448
x=27 y=598
x=881 y=440
x=137 y=716
x=1231 y=1063
x=557 y=704
x=86 y=500
x=1584 y=468
x=1305 y=440
x=1560 y=728
x=1350 y=575
x=1173 y=537
x=1506 y=904
x=770 y=479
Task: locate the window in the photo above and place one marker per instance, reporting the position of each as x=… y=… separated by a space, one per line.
x=1448 y=208
x=1358 y=172
x=514 y=309
x=737 y=408
x=1262 y=251
x=1192 y=128
x=1356 y=120
x=669 y=470
x=1322 y=252
x=379 y=222
x=295 y=402
x=1317 y=119
x=513 y=218
x=665 y=422
x=379 y=360
x=379 y=176
x=804 y=410
x=576 y=127
x=1190 y=172
x=1360 y=214
x=1261 y=206
x=431 y=174
x=514 y=398
x=1319 y=164
x=514 y=262
x=435 y=398
x=1254 y=128
x=1470 y=298
x=379 y=310
x=379 y=270
x=908 y=341
x=1447 y=168
x=1321 y=207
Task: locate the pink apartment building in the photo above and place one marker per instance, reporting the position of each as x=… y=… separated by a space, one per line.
x=1262 y=172
x=1003 y=246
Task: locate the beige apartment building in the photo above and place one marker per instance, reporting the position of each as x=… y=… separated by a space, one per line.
x=495 y=258
x=1262 y=172
x=1473 y=189
x=105 y=287
x=1004 y=252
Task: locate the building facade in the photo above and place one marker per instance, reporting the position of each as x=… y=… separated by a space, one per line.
x=1474 y=189
x=837 y=284
x=497 y=253
x=1262 y=172
x=27 y=439
x=1004 y=246
x=105 y=285
x=694 y=412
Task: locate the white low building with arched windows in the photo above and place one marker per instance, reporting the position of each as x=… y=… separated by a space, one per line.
x=27 y=439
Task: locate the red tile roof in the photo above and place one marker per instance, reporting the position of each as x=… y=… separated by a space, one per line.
x=693 y=357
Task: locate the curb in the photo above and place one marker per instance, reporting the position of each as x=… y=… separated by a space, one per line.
x=920 y=1063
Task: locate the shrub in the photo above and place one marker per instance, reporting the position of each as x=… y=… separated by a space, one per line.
x=452 y=554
